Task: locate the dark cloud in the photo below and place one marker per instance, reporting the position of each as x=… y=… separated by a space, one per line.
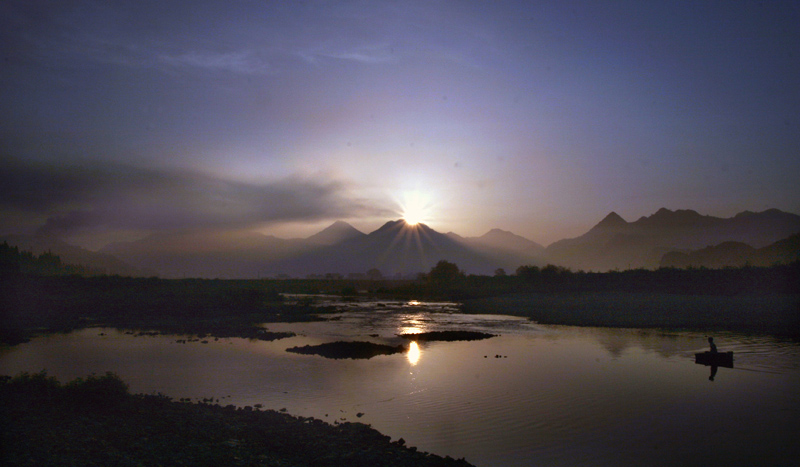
x=76 y=198
x=37 y=187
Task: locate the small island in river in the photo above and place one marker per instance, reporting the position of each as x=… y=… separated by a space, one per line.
x=341 y=349
x=448 y=336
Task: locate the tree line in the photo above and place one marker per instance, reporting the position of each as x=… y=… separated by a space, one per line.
x=14 y=261
x=446 y=280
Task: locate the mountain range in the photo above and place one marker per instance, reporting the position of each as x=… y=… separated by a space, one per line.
x=666 y=238
x=397 y=248
x=617 y=244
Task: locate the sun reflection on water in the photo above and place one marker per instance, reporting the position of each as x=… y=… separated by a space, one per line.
x=413 y=324
x=413 y=353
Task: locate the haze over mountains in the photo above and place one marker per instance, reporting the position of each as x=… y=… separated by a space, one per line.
x=666 y=238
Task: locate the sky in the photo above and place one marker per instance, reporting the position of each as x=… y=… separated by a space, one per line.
x=119 y=119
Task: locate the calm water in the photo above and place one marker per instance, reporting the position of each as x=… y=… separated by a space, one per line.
x=534 y=395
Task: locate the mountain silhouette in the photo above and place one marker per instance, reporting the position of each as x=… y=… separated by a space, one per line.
x=616 y=244
x=668 y=238
x=612 y=221
x=507 y=249
x=501 y=240
x=337 y=232
x=396 y=248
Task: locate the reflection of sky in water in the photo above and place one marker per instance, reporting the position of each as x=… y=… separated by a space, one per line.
x=559 y=395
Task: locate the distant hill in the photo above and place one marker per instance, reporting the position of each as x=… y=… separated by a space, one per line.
x=617 y=244
x=501 y=240
x=735 y=254
x=507 y=249
x=71 y=254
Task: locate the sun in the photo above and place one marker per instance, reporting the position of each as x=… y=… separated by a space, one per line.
x=415 y=208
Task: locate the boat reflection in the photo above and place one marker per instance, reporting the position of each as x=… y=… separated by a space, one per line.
x=413 y=353
x=714 y=360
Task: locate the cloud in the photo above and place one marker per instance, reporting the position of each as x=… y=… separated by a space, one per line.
x=112 y=33
x=236 y=62
x=81 y=198
x=366 y=54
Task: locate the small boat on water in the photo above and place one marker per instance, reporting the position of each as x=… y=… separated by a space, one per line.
x=714 y=359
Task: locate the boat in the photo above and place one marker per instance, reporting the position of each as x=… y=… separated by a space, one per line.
x=714 y=359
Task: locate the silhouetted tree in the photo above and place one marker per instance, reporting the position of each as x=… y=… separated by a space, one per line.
x=527 y=272
x=374 y=274
x=499 y=272
x=445 y=273
x=9 y=260
x=552 y=270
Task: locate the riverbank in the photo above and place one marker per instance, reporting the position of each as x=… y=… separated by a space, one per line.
x=773 y=314
x=199 y=308
x=37 y=305
x=96 y=422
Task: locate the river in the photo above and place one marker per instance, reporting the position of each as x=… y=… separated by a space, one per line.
x=531 y=395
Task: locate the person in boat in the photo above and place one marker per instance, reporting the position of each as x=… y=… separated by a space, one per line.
x=712 y=345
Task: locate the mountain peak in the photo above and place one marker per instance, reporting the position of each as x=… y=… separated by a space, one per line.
x=340 y=224
x=665 y=218
x=401 y=224
x=337 y=232
x=497 y=234
x=391 y=224
x=505 y=240
x=612 y=220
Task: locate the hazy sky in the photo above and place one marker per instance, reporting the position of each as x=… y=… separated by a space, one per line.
x=119 y=118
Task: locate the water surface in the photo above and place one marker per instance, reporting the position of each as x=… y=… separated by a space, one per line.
x=533 y=395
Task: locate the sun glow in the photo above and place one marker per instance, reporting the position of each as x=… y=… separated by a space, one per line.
x=415 y=208
x=413 y=353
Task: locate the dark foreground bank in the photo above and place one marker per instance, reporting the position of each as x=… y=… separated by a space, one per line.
x=95 y=421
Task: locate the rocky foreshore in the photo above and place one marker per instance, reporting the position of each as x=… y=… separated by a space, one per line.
x=96 y=422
